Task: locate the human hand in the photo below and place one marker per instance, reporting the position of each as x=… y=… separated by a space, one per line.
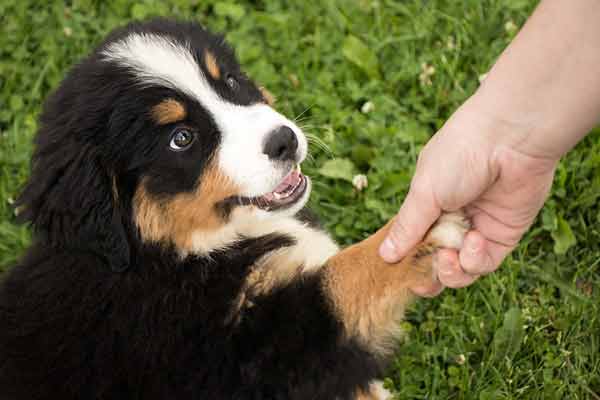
x=485 y=167
x=497 y=154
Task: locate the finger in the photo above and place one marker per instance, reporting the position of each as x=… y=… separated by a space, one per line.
x=500 y=239
x=430 y=290
x=481 y=256
x=418 y=212
x=449 y=271
x=474 y=258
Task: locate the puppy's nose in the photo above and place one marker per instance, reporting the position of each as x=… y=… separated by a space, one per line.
x=281 y=144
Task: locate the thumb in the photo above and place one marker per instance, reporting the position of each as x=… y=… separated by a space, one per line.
x=418 y=212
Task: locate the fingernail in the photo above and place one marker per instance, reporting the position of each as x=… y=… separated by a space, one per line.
x=387 y=250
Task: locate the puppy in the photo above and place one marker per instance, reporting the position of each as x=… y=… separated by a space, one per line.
x=172 y=257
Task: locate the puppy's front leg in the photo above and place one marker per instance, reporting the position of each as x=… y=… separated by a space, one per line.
x=370 y=296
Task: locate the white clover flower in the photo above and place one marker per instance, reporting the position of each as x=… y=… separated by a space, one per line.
x=360 y=182
x=367 y=107
x=460 y=359
x=482 y=77
x=67 y=31
x=450 y=43
x=427 y=71
x=510 y=26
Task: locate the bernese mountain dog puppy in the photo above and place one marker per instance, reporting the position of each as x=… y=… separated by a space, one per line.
x=172 y=258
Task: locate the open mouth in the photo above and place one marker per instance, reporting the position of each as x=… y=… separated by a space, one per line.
x=289 y=190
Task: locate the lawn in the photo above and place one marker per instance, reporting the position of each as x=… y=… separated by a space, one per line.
x=371 y=81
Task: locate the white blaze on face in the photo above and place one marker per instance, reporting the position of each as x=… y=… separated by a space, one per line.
x=159 y=60
x=245 y=129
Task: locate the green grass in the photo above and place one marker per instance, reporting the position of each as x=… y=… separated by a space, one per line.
x=531 y=330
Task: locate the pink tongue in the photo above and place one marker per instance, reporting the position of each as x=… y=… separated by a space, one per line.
x=291 y=179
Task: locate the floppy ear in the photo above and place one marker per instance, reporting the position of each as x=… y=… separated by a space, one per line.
x=72 y=202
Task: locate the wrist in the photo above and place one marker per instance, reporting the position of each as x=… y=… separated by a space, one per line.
x=543 y=90
x=509 y=125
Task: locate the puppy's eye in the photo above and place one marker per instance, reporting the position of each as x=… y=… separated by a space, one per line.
x=232 y=82
x=181 y=139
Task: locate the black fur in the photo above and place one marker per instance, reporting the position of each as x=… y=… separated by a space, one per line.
x=72 y=329
x=92 y=312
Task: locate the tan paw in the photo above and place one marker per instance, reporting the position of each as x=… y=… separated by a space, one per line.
x=449 y=231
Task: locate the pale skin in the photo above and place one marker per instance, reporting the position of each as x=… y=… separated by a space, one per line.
x=496 y=156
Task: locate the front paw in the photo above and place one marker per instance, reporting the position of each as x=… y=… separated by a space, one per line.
x=448 y=232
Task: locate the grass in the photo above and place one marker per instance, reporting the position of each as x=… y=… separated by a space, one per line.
x=358 y=73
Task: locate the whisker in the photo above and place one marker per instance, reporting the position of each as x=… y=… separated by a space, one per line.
x=318 y=142
x=305 y=110
x=320 y=147
x=309 y=158
x=302 y=119
x=305 y=127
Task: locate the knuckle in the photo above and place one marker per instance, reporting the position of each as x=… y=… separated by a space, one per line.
x=446 y=280
x=455 y=277
x=470 y=264
x=476 y=262
x=488 y=267
x=485 y=265
x=460 y=281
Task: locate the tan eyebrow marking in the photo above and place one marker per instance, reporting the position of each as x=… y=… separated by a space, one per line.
x=211 y=64
x=168 y=111
x=268 y=96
